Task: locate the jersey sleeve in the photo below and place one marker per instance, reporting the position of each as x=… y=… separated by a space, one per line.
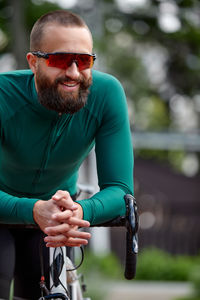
x=114 y=155
x=15 y=210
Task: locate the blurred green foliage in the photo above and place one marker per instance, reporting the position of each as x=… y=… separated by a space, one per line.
x=152 y=113
x=98 y=269
x=195 y=280
x=107 y=265
x=155 y=264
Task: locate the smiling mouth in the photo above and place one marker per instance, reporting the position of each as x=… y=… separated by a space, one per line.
x=70 y=84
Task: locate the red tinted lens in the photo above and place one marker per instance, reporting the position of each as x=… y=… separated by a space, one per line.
x=84 y=61
x=64 y=60
x=59 y=60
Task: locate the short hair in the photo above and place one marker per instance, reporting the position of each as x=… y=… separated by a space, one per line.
x=59 y=17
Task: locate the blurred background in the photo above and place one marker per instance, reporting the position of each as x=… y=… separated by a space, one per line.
x=153 y=48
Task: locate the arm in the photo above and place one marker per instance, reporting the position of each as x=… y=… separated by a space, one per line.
x=114 y=153
x=15 y=210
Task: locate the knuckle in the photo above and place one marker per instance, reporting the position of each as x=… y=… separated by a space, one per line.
x=66 y=193
x=65 y=239
x=66 y=227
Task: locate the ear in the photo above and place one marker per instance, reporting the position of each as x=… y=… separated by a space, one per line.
x=32 y=61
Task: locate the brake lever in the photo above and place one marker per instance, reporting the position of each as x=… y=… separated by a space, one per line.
x=132 y=220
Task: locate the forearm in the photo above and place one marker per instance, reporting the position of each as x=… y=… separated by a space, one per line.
x=15 y=210
x=105 y=205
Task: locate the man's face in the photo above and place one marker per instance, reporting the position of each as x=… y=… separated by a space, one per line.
x=63 y=90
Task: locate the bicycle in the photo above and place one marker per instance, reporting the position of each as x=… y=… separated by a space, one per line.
x=64 y=280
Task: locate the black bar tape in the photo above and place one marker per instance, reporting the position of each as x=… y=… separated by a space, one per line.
x=131 y=258
x=131 y=237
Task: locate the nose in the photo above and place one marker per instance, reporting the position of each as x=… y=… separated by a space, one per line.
x=72 y=71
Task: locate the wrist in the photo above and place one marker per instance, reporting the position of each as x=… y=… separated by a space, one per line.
x=36 y=209
x=79 y=211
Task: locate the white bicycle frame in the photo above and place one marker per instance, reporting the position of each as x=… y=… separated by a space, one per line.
x=69 y=279
x=63 y=275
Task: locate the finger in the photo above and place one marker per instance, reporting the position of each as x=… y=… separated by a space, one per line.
x=78 y=222
x=62 y=196
x=66 y=203
x=54 y=230
x=59 y=229
x=60 y=217
x=62 y=240
x=68 y=234
x=68 y=244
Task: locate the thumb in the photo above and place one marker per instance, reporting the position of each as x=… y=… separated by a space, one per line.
x=64 y=200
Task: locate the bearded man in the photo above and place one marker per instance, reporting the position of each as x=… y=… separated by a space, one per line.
x=51 y=116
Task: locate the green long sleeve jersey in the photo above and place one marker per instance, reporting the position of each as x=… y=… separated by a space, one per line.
x=41 y=152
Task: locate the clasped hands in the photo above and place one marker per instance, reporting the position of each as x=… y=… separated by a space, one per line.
x=59 y=218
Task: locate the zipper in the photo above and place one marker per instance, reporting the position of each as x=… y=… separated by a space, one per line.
x=46 y=153
x=58 y=125
x=56 y=129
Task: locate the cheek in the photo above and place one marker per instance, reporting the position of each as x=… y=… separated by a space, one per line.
x=49 y=72
x=53 y=73
x=86 y=74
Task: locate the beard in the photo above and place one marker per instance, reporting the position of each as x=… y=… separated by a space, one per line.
x=60 y=101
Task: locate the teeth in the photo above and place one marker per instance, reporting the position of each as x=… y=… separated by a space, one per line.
x=70 y=84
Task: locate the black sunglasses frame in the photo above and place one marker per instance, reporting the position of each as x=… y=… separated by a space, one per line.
x=46 y=55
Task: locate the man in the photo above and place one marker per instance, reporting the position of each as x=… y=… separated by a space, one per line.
x=51 y=117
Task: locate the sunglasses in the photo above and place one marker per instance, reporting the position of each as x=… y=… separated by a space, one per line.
x=64 y=60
